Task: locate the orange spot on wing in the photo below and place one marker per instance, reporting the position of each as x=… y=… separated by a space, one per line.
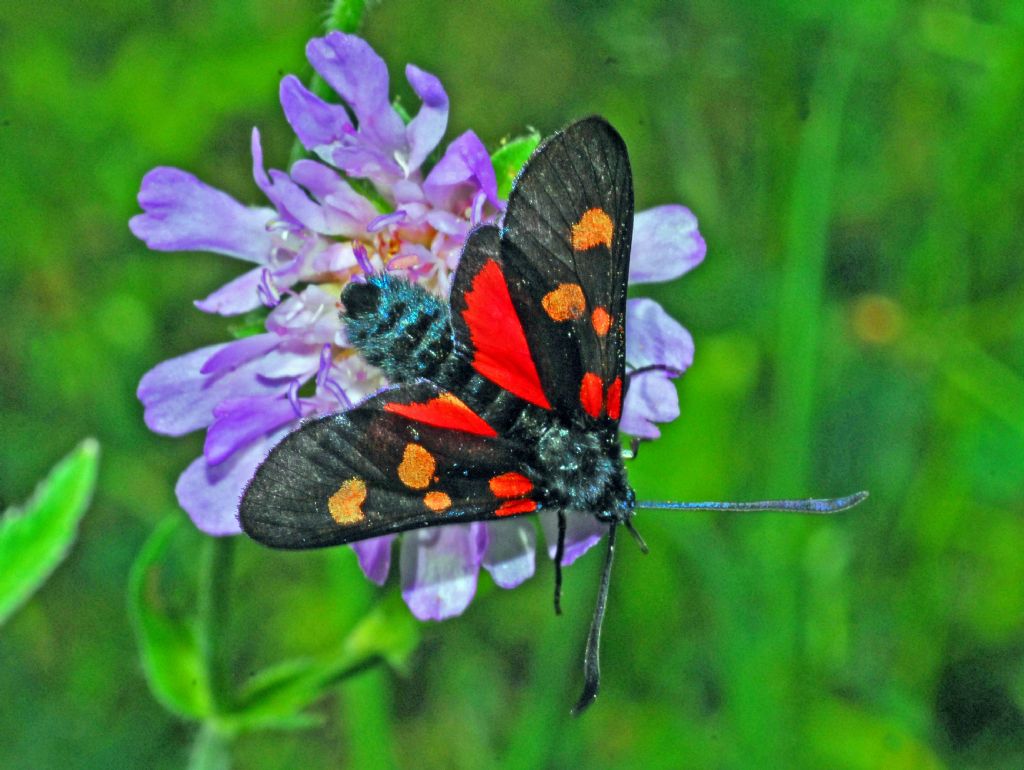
x=445 y=411
x=601 y=321
x=615 y=399
x=500 y=351
x=594 y=228
x=591 y=392
x=417 y=467
x=511 y=484
x=512 y=507
x=565 y=302
x=437 y=501
x=346 y=505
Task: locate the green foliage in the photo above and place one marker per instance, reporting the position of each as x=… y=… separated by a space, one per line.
x=36 y=538
x=170 y=647
x=859 y=323
x=509 y=159
x=184 y=652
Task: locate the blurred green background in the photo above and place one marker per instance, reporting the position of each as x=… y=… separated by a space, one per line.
x=859 y=322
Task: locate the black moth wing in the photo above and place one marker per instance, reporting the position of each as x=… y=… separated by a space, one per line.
x=371 y=471
x=569 y=224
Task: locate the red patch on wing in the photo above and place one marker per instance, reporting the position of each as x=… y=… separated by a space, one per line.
x=445 y=411
x=510 y=484
x=512 y=507
x=615 y=399
x=591 y=392
x=500 y=351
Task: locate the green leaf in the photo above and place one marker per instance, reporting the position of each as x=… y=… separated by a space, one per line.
x=277 y=696
x=172 y=656
x=36 y=538
x=252 y=323
x=509 y=159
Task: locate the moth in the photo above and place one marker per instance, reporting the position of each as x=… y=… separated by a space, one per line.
x=505 y=401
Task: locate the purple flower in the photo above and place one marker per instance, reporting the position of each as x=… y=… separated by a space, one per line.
x=320 y=232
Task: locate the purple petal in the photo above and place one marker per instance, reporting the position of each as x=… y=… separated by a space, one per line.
x=666 y=244
x=439 y=568
x=290 y=200
x=184 y=214
x=210 y=494
x=310 y=317
x=465 y=168
x=582 y=532
x=179 y=399
x=346 y=212
x=235 y=297
x=237 y=422
x=651 y=398
x=374 y=557
x=426 y=129
x=314 y=121
x=511 y=549
x=234 y=354
x=654 y=338
x=355 y=71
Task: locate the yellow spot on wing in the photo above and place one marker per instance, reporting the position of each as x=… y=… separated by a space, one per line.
x=346 y=505
x=437 y=501
x=595 y=227
x=417 y=467
x=565 y=302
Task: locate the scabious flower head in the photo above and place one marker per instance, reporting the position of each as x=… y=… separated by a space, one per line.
x=366 y=204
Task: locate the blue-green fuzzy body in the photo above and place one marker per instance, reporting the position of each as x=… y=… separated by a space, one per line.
x=401 y=328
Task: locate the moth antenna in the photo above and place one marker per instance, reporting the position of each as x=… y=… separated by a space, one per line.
x=821 y=506
x=636 y=536
x=559 y=555
x=592 y=656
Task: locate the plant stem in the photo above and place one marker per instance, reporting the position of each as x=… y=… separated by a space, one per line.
x=214 y=609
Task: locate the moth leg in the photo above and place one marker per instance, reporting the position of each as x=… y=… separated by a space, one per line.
x=634 y=448
x=671 y=370
x=559 y=554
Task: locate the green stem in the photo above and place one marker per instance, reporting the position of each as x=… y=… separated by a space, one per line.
x=345 y=16
x=211 y=750
x=214 y=610
x=366 y=720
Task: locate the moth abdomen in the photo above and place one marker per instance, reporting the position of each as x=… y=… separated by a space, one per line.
x=399 y=327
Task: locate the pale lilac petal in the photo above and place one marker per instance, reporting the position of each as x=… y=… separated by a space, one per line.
x=235 y=297
x=439 y=568
x=179 y=399
x=183 y=214
x=464 y=169
x=234 y=354
x=314 y=121
x=354 y=70
x=511 y=548
x=310 y=317
x=666 y=244
x=374 y=557
x=654 y=338
x=210 y=494
x=346 y=212
x=426 y=129
x=292 y=358
x=238 y=422
x=290 y=200
x=651 y=398
x=582 y=532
